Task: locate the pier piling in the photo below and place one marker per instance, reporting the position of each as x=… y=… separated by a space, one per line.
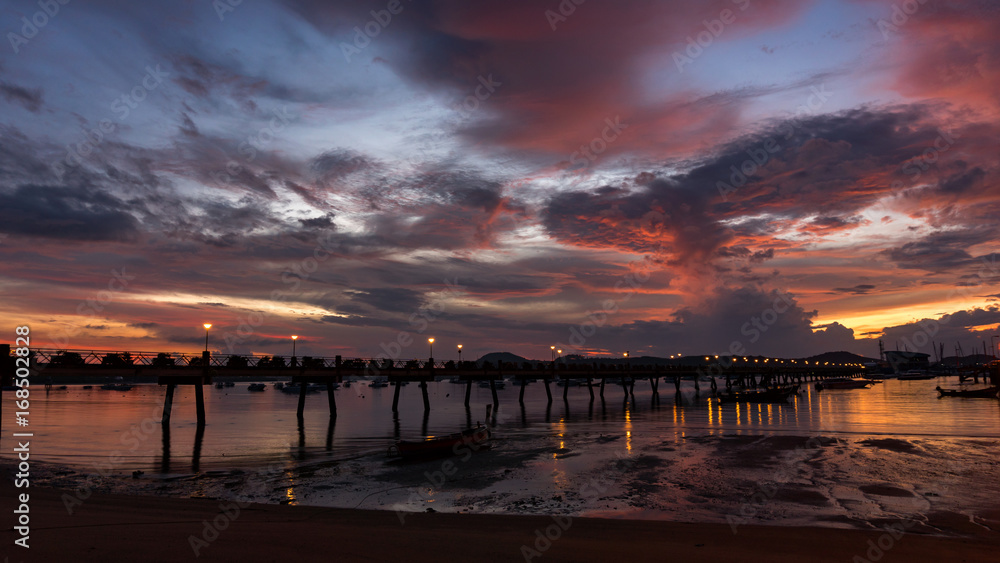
x=427 y=401
x=300 y=412
x=168 y=404
x=332 y=401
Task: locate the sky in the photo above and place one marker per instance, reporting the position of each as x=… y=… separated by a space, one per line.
x=776 y=177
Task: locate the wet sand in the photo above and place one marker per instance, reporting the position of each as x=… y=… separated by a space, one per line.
x=122 y=528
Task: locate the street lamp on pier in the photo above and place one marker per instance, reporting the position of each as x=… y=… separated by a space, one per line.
x=207 y=326
x=294 y=338
x=460 y=355
x=431 y=342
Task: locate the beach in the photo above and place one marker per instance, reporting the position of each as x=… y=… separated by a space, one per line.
x=120 y=528
x=645 y=480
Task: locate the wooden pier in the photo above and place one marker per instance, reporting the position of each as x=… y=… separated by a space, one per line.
x=172 y=370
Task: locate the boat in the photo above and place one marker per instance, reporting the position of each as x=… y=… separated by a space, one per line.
x=987 y=393
x=568 y=383
x=498 y=384
x=843 y=383
x=256 y=387
x=279 y=385
x=230 y=384
x=915 y=375
x=219 y=385
x=347 y=384
x=378 y=383
x=88 y=386
x=116 y=387
x=774 y=395
x=440 y=445
x=294 y=388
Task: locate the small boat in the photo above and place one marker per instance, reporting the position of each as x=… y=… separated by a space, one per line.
x=568 y=383
x=88 y=386
x=440 y=445
x=378 y=383
x=987 y=393
x=256 y=387
x=498 y=383
x=279 y=385
x=915 y=375
x=347 y=384
x=116 y=387
x=230 y=384
x=219 y=385
x=843 y=383
x=775 y=395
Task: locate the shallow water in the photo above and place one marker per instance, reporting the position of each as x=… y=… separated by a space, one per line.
x=877 y=455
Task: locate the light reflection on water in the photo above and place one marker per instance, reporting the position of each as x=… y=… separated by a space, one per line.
x=84 y=427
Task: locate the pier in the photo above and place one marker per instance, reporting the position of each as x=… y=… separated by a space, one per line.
x=174 y=369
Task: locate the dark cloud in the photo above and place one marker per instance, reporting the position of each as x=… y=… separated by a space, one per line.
x=860 y=289
x=959 y=328
x=30 y=99
x=66 y=213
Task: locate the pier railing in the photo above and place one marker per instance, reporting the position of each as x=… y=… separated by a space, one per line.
x=376 y=366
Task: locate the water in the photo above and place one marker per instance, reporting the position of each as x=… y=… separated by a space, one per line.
x=889 y=451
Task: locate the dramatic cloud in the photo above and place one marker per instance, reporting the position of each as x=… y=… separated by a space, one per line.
x=500 y=173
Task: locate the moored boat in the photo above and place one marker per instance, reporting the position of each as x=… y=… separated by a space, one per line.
x=441 y=445
x=986 y=393
x=116 y=387
x=256 y=387
x=843 y=383
x=774 y=395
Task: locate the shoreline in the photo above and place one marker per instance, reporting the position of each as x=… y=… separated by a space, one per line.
x=117 y=527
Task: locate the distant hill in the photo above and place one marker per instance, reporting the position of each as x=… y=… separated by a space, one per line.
x=496 y=358
x=840 y=358
x=952 y=361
